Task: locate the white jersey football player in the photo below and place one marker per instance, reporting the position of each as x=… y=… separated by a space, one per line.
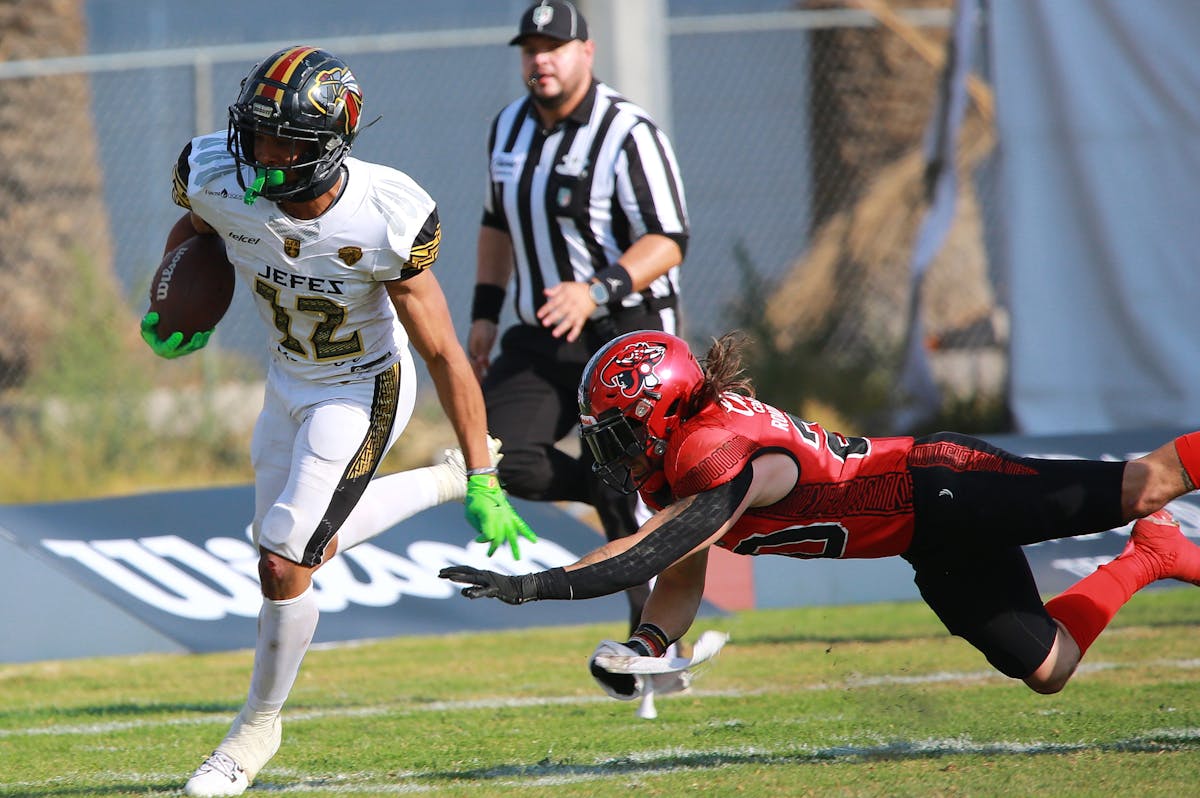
x=337 y=254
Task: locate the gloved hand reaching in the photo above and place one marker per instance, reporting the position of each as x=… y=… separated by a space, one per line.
x=489 y=584
x=489 y=511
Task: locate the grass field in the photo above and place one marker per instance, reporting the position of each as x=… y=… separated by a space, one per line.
x=873 y=700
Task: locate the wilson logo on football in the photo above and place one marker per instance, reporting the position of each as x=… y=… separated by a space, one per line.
x=632 y=369
x=163 y=286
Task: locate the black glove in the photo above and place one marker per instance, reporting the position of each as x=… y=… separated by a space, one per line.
x=489 y=584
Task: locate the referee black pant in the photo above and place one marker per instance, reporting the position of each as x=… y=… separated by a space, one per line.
x=532 y=396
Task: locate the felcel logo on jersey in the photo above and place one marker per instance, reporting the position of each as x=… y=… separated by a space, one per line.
x=242 y=238
x=220 y=577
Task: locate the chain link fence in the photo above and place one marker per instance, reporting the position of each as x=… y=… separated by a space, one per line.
x=799 y=135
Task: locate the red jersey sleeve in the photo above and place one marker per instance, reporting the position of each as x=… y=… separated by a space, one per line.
x=707 y=456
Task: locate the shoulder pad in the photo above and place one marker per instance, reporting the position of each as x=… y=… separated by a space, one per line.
x=708 y=455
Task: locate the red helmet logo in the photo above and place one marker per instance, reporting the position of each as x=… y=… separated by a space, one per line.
x=631 y=370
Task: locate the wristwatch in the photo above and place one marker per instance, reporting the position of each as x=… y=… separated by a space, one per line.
x=599 y=292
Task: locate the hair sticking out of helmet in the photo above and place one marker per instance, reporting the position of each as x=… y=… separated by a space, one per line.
x=309 y=101
x=631 y=400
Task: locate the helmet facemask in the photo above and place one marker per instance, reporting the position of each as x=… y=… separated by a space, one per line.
x=615 y=441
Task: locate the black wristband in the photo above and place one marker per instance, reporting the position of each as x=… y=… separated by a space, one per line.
x=552 y=584
x=617 y=280
x=487 y=303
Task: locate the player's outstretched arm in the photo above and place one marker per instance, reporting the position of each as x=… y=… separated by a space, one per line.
x=421 y=306
x=690 y=525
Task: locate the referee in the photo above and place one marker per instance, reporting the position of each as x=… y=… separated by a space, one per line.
x=585 y=217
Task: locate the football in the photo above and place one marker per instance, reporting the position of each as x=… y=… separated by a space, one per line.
x=192 y=287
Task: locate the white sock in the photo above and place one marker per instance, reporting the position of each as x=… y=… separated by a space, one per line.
x=390 y=499
x=285 y=630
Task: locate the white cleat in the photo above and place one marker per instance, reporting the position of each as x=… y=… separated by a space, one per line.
x=219 y=775
x=251 y=742
x=451 y=471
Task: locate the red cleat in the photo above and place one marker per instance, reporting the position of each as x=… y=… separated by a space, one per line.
x=1158 y=542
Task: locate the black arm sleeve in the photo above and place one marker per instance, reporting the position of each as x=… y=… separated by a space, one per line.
x=655 y=553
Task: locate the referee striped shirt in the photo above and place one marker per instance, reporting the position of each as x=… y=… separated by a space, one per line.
x=574 y=198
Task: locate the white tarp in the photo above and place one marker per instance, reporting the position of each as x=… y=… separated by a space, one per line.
x=1098 y=107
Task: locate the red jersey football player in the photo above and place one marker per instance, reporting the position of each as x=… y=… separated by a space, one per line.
x=724 y=469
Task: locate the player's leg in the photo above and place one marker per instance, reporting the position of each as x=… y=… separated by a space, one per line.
x=271 y=457
x=524 y=393
x=1164 y=474
x=990 y=599
x=618 y=515
x=392 y=498
x=1016 y=500
x=337 y=447
x=964 y=487
x=980 y=512
x=339 y=444
x=1157 y=549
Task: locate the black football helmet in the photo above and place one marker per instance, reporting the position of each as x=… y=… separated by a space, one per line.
x=303 y=95
x=631 y=400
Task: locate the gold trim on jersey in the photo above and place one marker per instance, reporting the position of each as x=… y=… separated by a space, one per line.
x=361 y=467
x=383 y=416
x=179 y=193
x=423 y=255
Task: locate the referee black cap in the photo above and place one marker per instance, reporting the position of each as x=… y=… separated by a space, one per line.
x=556 y=19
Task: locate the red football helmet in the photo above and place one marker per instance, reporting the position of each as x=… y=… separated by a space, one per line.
x=630 y=400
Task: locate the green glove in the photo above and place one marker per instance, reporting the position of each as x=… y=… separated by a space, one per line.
x=493 y=517
x=173 y=346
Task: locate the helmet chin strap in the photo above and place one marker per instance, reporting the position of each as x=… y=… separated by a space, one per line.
x=317 y=189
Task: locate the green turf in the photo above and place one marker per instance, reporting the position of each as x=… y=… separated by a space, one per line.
x=873 y=700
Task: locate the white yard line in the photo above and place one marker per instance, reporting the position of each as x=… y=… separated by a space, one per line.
x=641 y=764
x=947 y=677
x=285 y=781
